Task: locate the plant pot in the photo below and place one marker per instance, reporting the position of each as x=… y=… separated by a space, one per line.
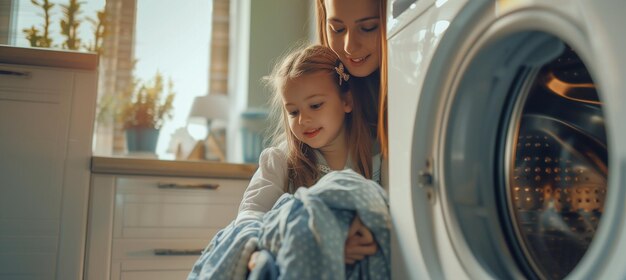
x=142 y=140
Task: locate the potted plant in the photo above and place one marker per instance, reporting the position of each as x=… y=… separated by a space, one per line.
x=147 y=106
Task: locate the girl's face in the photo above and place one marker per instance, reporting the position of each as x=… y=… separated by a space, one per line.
x=353 y=29
x=316 y=111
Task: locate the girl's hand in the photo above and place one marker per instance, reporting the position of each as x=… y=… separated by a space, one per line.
x=252 y=261
x=360 y=242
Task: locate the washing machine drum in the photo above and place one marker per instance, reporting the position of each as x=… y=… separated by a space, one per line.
x=524 y=161
x=558 y=176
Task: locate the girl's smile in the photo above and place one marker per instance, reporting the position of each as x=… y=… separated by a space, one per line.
x=312 y=133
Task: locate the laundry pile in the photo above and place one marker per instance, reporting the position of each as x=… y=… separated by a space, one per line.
x=303 y=236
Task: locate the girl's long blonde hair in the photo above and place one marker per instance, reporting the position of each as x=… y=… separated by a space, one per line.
x=301 y=159
x=374 y=86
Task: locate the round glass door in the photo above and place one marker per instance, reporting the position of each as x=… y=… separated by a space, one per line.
x=557 y=167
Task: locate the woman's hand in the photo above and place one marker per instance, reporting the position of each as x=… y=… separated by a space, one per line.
x=252 y=261
x=360 y=242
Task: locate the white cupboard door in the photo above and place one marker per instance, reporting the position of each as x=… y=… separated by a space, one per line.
x=46 y=120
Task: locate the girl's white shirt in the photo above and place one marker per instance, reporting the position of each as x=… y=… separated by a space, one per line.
x=266 y=185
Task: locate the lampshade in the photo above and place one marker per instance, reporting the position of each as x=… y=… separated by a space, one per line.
x=210 y=107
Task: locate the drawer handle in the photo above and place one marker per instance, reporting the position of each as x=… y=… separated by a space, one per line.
x=188 y=186
x=14 y=73
x=177 y=252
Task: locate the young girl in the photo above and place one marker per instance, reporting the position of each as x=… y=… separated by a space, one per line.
x=320 y=128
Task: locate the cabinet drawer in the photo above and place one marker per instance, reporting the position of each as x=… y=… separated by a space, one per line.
x=147 y=227
x=162 y=269
x=158 y=249
x=145 y=210
x=155 y=274
x=156 y=258
x=173 y=220
x=26 y=83
x=226 y=190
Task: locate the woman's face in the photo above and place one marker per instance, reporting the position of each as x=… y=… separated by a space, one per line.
x=353 y=29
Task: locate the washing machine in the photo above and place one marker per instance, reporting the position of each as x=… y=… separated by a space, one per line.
x=507 y=139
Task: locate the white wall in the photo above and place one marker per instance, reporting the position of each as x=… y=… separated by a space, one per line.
x=275 y=26
x=261 y=32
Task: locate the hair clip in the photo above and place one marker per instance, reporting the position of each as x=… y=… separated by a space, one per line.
x=343 y=76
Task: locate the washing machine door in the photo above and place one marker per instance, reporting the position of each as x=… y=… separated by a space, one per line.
x=524 y=164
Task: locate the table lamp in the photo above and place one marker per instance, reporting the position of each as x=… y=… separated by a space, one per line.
x=211 y=107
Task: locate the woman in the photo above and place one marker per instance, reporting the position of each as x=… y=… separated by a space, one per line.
x=356 y=31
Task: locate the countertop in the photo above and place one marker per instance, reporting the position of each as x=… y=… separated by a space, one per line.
x=175 y=168
x=48 y=57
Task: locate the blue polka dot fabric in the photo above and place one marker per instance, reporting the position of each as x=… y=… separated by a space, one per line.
x=227 y=255
x=305 y=233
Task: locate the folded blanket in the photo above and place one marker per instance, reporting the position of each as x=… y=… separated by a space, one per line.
x=306 y=234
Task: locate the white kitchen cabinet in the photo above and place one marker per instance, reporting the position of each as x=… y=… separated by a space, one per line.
x=47 y=109
x=149 y=227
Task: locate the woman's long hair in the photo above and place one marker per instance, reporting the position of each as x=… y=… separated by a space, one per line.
x=301 y=159
x=375 y=85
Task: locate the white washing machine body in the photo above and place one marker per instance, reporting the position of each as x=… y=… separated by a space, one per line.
x=471 y=84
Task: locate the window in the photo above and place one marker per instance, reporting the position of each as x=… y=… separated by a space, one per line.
x=31 y=17
x=171 y=39
x=175 y=39
x=143 y=38
x=155 y=37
